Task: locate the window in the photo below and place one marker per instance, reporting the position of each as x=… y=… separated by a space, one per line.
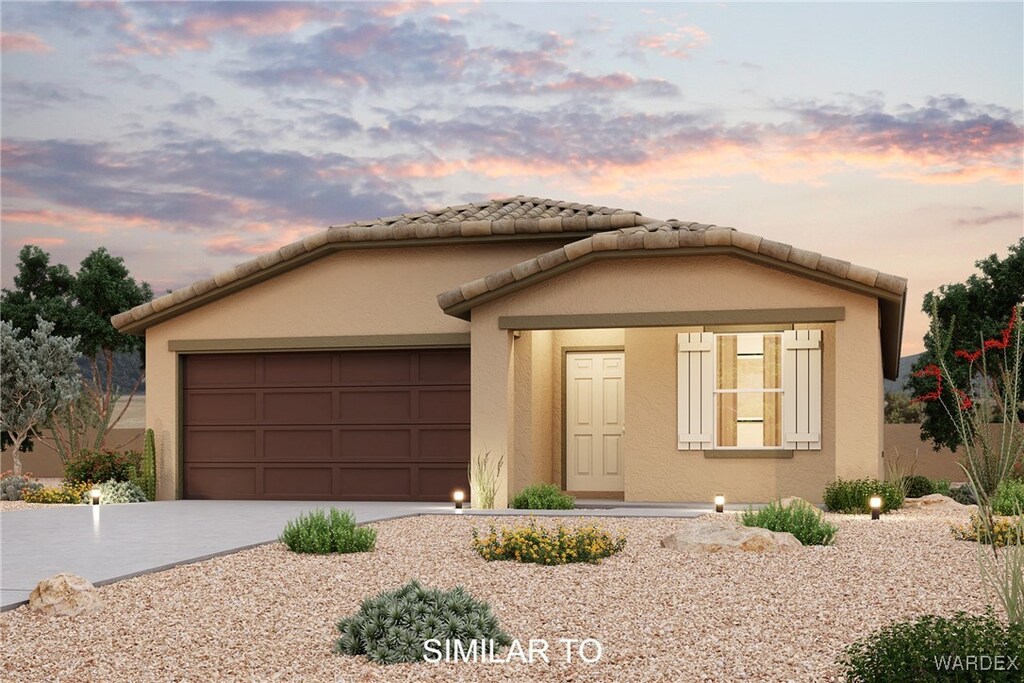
x=749 y=390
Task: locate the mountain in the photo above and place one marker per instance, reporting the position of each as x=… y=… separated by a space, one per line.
x=906 y=362
x=126 y=371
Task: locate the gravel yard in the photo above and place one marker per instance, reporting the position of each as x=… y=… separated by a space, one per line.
x=266 y=614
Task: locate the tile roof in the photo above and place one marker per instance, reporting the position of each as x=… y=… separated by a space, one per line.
x=672 y=234
x=518 y=215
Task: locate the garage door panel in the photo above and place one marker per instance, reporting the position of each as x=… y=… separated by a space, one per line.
x=373 y=406
x=376 y=367
x=442 y=443
x=443 y=405
x=220 y=371
x=221 y=483
x=298 y=445
x=443 y=367
x=291 y=369
x=221 y=407
x=391 y=482
x=438 y=482
x=298 y=407
x=341 y=425
x=215 y=445
x=297 y=482
x=375 y=444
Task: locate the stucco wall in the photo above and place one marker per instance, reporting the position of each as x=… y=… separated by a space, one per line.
x=655 y=469
x=357 y=292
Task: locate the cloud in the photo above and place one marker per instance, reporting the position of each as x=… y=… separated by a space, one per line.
x=23 y=42
x=988 y=219
x=22 y=95
x=577 y=82
x=679 y=43
x=193 y=104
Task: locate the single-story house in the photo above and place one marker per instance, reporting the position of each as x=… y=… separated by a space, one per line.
x=604 y=351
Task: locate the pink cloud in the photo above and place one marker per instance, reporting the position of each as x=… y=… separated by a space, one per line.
x=23 y=42
x=42 y=241
x=678 y=44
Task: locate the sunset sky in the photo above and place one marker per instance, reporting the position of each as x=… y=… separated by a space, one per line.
x=187 y=137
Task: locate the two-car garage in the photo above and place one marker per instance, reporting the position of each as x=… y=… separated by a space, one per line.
x=326 y=425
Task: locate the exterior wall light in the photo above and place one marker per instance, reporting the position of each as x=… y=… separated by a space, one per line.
x=94 y=495
x=876 y=507
x=719 y=503
x=458 y=496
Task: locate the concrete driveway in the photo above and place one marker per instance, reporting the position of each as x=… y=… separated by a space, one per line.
x=112 y=542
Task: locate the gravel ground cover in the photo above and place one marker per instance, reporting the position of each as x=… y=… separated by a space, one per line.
x=266 y=614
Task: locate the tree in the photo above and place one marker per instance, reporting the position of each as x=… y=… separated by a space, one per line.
x=969 y=312
x=81 y=305
x=39 y=375
x=900 y=409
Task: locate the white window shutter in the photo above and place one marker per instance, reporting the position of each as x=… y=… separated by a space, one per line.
x=696 y=376
x=801 y=390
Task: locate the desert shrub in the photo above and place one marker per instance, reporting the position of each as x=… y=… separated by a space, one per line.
x=963 y=494
x=541 y=545
x=543 y=497
x=800 y=519
x=853 y=496
x=112 y=492
x=102 y=465
x=320 y=533
x=1009 y=498
x=393 y=627
x=941 y=486
x=13 y=486
x=933 y=648
x=69 y=493
x=1004 y=531
x=917 y=485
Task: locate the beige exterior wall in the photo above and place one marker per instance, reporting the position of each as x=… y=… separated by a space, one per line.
x=655 y=469
x=352 y=292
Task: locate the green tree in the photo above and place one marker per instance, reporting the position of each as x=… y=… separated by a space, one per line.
x=81 y=305
x=39 y=375
x=970 y=312
x=900 y=409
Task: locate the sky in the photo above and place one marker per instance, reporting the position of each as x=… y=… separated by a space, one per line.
x=188 y=137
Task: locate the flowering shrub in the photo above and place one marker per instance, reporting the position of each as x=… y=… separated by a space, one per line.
x=102 y=465
x=70 y=493
x=541 y=545
x=1004 y=531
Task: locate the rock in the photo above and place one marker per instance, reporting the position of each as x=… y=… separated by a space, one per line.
x=796 y=500
x=65 y=595
x=716 y=533
x=934 y=501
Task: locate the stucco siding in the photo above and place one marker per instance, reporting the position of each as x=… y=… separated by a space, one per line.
x=655 y=469
x=349 y=293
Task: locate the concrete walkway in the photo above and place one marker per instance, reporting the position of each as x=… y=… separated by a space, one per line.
x=113 y=542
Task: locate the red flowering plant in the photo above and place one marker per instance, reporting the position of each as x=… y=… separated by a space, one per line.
x=990 y=455
x=994 y=372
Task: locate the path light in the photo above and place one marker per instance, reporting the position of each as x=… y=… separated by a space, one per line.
x=876 y=507
x=458 y=496
x=95 y=495
x=719 y=503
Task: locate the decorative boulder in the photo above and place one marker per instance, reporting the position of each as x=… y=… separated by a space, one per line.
x=935 y=501
x=65 y=595
x=717 y=533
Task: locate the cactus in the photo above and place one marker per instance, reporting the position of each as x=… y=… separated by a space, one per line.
x=148 y=478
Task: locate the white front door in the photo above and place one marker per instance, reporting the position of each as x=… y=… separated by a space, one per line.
x=594 y=420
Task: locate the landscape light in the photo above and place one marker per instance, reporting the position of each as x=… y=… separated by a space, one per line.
x=719 y=503
x=458 y=497
x=95 y=495
x=876 y=507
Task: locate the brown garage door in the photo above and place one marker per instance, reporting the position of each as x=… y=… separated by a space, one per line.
x=335 y=425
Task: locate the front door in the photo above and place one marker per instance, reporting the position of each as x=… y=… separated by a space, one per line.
x=594 y=420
